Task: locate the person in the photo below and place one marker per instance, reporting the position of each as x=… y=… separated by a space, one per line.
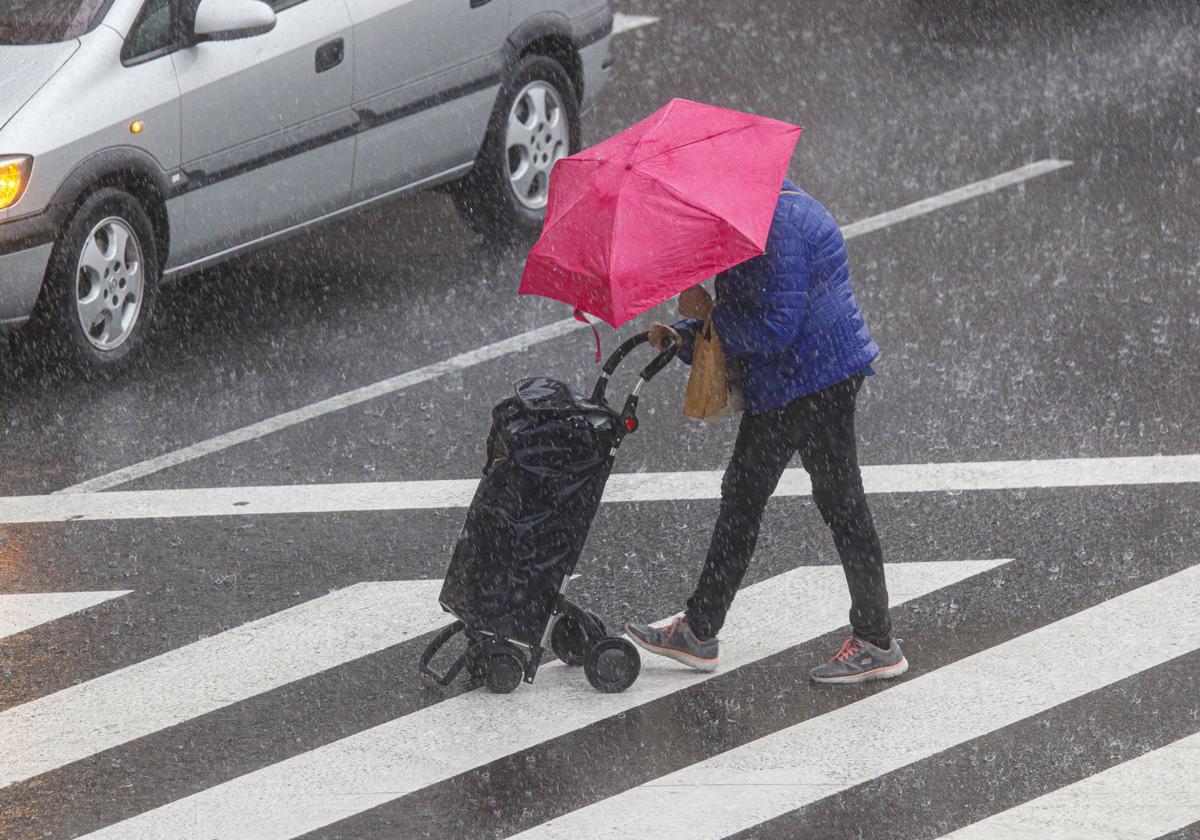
x=789 y=320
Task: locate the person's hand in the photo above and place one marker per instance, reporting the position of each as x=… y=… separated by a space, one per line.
x=695 y=302
x=659 y=334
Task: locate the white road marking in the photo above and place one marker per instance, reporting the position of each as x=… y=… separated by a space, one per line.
x=937 y=202
x=462 y=361
x=436 y=743
x=505 y=347
x=918 y=718
x=1140 y=799
x=627 y=23
x=622 y=487
x=212 y=673
x=23 y=611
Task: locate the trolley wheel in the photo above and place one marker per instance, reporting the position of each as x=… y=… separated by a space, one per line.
x=612 y=665
x=505 y=668
x=571 y=639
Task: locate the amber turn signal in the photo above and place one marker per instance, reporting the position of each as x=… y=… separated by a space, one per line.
x=14 y=173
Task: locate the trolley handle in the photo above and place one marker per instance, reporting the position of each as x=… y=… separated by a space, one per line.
x=670 y=348
x=619 y=355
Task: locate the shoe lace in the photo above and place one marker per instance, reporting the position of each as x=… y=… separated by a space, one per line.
x=850 y=647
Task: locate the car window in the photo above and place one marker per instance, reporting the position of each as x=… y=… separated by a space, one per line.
x=153 y=31
x=45 y=21
x=280 y=5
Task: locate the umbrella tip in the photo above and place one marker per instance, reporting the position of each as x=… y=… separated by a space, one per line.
x=628 y=166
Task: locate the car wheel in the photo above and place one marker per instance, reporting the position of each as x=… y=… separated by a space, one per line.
x=102 y=281
x=534 y=124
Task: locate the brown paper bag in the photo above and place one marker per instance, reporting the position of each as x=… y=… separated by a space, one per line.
x=709 y=395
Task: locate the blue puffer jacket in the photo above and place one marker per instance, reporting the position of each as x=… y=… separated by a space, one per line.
x=789 y=316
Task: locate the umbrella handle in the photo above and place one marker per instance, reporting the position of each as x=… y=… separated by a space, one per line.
x=628 y=346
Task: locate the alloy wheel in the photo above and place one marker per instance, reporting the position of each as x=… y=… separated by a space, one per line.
x=108 y=283
x=536 y=137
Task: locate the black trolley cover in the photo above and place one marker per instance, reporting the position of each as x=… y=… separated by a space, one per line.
x=549 y=454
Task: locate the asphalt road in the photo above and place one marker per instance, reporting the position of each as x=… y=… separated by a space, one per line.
x=1054 y=319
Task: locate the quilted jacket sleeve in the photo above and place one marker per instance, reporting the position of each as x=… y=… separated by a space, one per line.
x=765 y=299
x=687 y=330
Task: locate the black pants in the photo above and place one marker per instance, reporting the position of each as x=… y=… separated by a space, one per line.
x=820 y=427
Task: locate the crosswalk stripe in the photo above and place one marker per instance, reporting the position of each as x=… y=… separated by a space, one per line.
x=385 y=762
x=997 y=687
x=1129 y=801
x=622 y=487
x=214 y=672
x=627 y=23
x=23 y=611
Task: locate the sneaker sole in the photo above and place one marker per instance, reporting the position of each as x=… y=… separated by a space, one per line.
x=677 y=655
x=887 y=672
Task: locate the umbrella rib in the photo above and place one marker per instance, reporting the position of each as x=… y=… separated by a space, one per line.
x=710 y=137
x=609 y=257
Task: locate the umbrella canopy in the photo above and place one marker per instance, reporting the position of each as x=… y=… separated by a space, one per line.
x=680 y=196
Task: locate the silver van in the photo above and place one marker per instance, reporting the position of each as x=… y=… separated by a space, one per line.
x=144 y=139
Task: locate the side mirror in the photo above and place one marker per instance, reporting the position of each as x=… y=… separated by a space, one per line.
x=228 y=20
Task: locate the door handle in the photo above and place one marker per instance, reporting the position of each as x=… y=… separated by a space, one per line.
x=475 y=4
x=330 y=55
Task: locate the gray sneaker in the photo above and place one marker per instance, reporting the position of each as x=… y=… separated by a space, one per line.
x=859 y=661
x=676 y=641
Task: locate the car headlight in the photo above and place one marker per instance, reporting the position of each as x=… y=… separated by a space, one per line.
x=14 y=175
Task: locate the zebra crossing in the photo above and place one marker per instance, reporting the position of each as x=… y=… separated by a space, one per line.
x=1127 y=801
x=747 y=780
x=924 y=716
x=1030 y=676
x=22 y=611
x=217 y=671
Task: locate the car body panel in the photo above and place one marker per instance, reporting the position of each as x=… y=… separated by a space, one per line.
x=425 y=105
x=248 y=107
x=26 y=69
x=595 y=55
x=21 y=275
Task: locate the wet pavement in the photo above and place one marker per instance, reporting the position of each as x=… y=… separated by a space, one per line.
x=1053 y=319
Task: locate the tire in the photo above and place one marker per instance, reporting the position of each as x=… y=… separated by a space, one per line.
x=571 y=640
x=505 y=668
x=87 y=276
x=612 y=665
x=486 y=199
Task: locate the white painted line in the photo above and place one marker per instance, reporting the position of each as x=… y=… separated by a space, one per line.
x=212 y=673
x=462 y=361
x=627 y=23
x=438 y=742
x=937 y=202
x=1140 y=799
x=918 y=718
x=505 y=347
x=623 y=487
x=21 y=612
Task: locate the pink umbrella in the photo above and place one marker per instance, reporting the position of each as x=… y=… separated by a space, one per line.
x=680 y=196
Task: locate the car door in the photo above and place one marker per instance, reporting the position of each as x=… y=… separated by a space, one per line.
x=426 y=77
x=267 y=129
